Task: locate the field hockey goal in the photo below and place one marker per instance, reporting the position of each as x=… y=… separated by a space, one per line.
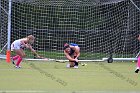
x=102 y=28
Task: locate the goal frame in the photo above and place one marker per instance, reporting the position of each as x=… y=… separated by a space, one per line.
x=7 y=57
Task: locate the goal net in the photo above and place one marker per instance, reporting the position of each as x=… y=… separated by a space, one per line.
x=100 y=27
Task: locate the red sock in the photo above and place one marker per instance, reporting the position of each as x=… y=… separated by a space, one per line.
x=18 y=61
x=138 y=62
x=15 y=57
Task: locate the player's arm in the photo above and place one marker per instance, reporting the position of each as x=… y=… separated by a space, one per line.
x=36 y=54
x=77 y=51
x=78 y=54
x=33 y=51
x=69 y=57
x=23 y=43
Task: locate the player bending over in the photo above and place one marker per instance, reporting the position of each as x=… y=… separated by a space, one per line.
x=138 y=61
x=72 y=52
x=18 y=45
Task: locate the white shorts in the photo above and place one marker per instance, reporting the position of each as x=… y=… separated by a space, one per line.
x=16 y=45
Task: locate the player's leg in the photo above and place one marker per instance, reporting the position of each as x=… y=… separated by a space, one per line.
x=15 y=46
x=75 y=55
x=14 y=58
x=75 y=63
x=70 y=64
x=138 y=65
x=21 y=54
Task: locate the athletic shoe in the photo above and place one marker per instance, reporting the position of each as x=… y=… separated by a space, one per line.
x=137 y=70
x=75 y=67
x=18 y=66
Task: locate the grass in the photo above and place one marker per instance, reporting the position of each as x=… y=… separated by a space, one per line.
x=53 y=77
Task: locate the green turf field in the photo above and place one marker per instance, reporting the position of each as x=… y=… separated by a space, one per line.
x=53 y=77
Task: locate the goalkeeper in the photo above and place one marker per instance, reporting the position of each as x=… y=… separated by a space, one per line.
x=72 y=52
x=18 y=47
